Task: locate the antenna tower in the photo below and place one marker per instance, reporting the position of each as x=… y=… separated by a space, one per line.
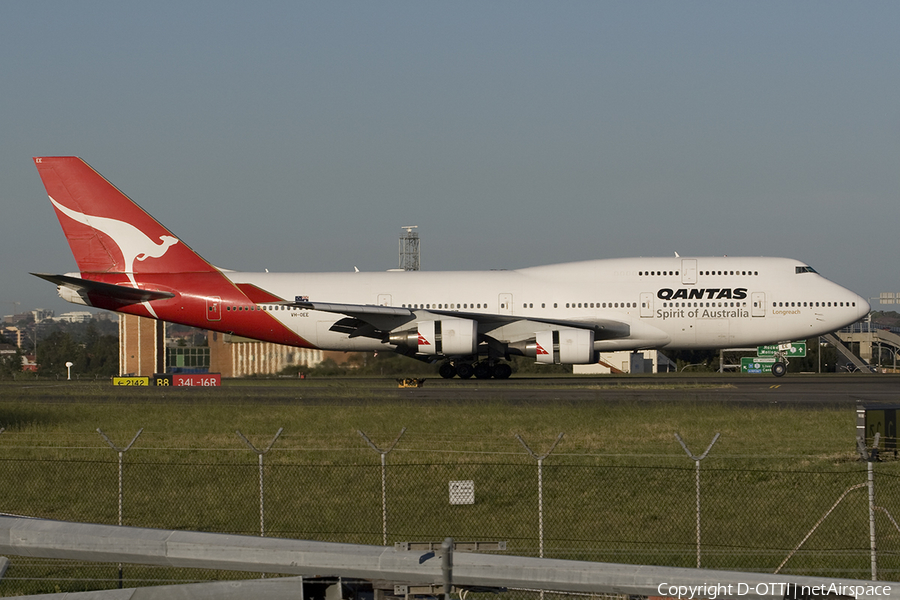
x=409 y=249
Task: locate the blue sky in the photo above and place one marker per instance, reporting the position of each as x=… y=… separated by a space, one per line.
x=295 y=136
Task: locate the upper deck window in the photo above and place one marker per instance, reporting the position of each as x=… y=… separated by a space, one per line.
x=804 y=269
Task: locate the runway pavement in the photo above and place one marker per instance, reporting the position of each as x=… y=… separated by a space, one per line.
x=845 y=390
x=823 y=390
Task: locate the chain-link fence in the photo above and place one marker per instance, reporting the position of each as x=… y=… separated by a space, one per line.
x=797 y=514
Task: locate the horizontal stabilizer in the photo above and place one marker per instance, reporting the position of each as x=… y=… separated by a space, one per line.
x=127 y=295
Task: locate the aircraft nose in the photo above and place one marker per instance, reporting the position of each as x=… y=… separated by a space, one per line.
x=863 y=306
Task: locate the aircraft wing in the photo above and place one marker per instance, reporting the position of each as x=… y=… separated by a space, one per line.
x=603 y=328
x=353 y=310
x=365 y=318
x=124 y=294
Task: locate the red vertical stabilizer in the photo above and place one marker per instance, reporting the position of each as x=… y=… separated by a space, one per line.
x=107 y=231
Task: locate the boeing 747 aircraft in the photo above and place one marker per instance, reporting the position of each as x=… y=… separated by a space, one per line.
x=471 y=321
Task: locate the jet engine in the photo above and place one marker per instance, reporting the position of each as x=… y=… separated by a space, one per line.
x=562 y=346
x=450 y=337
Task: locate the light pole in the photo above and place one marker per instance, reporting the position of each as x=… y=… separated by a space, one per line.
x=69 y=365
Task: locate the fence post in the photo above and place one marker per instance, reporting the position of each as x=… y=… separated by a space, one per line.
x=447 y=566
x=121 y=452
x=260 y=454
x=870 y=456
x=697 y=460
x=540 y=466
x=383 y=453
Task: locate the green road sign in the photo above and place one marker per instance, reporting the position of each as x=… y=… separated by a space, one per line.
x=791 y=350
x=750 y=364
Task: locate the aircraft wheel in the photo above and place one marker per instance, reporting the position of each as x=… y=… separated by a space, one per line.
x=779 y=369
x=447 y=370
x=464 y=370
x=502 y=371
x=483 y=370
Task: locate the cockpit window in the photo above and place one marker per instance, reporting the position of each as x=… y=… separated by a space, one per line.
x=804 y=269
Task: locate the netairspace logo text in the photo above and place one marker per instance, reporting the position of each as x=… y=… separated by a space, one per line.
x=781 y=589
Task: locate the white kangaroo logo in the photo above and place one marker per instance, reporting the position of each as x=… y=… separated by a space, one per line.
x=133 y=243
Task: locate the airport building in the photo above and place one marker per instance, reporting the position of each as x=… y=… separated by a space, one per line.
x=238 y=357
x=143 y=350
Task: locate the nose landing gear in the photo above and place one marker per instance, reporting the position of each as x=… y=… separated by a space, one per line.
x=779 y=367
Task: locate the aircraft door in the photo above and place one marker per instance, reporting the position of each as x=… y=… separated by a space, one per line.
x=384 y=300
x=689 y=271
x=505 y=304
x=758 y=304
x=214 y=308
x=646 y=304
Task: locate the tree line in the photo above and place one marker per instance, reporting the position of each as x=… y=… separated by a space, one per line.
x=92 y=349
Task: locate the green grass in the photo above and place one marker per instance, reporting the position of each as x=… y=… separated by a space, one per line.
x=618 y=487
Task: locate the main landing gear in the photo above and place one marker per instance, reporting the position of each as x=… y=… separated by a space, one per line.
x=481 y=370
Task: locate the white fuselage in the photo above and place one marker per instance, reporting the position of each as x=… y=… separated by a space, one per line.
x=717 y=302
